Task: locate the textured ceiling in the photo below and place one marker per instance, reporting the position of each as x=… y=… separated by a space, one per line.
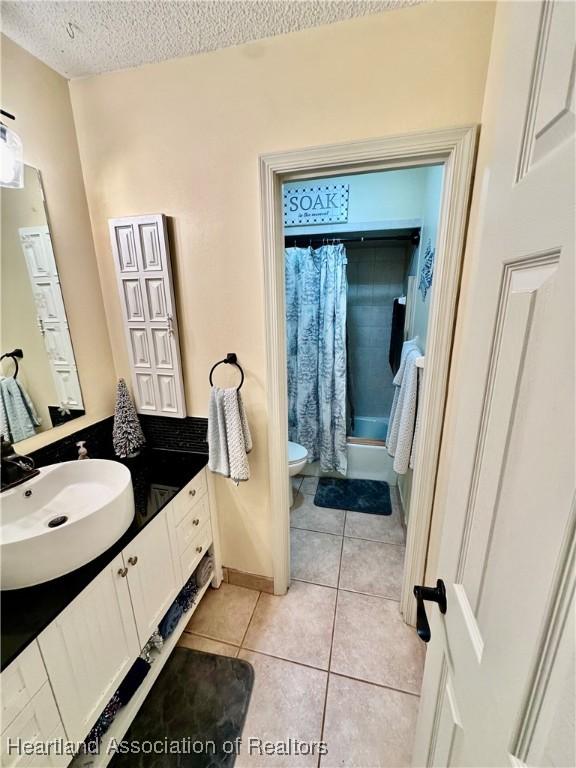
x=86 y=38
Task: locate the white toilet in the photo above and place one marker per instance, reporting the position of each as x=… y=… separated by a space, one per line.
x=297 y=457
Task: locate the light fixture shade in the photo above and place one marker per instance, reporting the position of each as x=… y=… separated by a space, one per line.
x=11 y=159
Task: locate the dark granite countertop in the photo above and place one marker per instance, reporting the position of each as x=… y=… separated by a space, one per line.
x=157 y=476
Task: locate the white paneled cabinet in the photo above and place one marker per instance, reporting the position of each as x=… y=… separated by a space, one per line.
x=21 y=681
x=89 y=648
x=38 y=723
x=142 y=261
x=151 y=573
x=59 y=685
x=29 y=711
x=51 y=314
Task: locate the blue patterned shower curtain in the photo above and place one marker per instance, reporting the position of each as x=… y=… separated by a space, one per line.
x=316 y=291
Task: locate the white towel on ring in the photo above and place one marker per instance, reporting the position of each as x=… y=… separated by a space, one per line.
x=403 y=420
x=229 y=439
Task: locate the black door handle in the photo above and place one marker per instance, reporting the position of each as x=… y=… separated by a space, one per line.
x=435 y=594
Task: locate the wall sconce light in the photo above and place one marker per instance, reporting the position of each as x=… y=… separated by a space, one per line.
x=11 y=156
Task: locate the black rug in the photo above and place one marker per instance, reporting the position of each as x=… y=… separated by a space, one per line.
x=200 y=702
x=370 y=496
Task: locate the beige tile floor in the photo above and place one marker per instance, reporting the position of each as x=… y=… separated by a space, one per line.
x=333 y=660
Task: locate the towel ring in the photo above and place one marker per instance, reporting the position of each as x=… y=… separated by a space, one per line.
x=14 y=355
x=230 y=359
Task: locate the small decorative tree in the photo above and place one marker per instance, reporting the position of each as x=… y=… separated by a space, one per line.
x=127 y=435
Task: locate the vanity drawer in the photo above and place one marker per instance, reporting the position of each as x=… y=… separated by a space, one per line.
x=39 y=721
x=22 y=679
x=189 y=496
x=196 y=550
x=192 y=524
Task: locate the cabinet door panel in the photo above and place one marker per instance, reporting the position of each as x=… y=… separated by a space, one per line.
x=37 y=723
x=89 y=648
x=152 y=578
x=144 y=272
x=196 y=551
x=189 y=496
x=191 y=526
x=50 y=311
x=20 y=682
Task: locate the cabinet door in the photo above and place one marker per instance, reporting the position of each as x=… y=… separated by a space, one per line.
x=142 y=259
x=20 y=681
x=38 y=723
x=51 y=314
x=152 y=577
x=89 y=648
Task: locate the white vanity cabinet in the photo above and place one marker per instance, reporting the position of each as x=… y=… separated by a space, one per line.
x=191 y=524
x=79 y=660
x=150 y=569
x=29 y=711
x=89 y=648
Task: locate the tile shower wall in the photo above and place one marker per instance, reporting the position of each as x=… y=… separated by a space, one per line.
x=375 y=278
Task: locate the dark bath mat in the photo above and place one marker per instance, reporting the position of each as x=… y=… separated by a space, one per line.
x=370 y=496
x=198 y=699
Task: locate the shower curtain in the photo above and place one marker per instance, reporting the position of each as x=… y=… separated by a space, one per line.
x=316 y=291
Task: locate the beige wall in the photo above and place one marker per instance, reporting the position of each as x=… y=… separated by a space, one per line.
x=40 y=99
x=183 y=138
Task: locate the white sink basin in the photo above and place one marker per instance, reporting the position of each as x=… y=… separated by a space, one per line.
x=61 y=519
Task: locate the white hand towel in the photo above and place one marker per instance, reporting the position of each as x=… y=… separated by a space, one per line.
x=4 y=428
x=392 y=424
x=229 y=438
x=19 y=411
x=217 y=442
x=237 y=435
x=402 y=422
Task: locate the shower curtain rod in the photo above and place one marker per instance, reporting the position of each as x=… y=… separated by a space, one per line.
x=308 y=240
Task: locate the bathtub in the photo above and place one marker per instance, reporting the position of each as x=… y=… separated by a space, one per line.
x=365 y=462
x=370 y=427
x=370 y=462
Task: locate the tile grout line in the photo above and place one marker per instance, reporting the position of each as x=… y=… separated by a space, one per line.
x=347 y=589
x=288 y=661
x=241 y=646
x=331 y=645
x=368 y=594
x=376 y=541
x=310 y=666
x=356 y=538
x=376 y=685
x=313 y=583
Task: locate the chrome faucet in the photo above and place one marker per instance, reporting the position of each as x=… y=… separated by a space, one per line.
x=16 y=468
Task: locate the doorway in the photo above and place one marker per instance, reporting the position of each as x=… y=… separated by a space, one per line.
x=453 y=150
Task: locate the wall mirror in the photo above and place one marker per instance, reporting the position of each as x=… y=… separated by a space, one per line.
x=39 y=385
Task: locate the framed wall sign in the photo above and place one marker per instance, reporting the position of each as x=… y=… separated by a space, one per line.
x=318 y=204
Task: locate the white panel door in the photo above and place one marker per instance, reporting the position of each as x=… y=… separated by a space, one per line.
x=142 y=259
x=152 y=576
x=89 y=648
x=499 y=683
x=52 y=321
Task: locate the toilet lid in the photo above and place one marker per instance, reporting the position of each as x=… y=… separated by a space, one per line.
x=296 y=452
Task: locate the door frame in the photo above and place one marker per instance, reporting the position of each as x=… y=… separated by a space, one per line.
x=455 y=149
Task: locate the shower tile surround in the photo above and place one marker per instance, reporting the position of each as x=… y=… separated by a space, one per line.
x=376 y=276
